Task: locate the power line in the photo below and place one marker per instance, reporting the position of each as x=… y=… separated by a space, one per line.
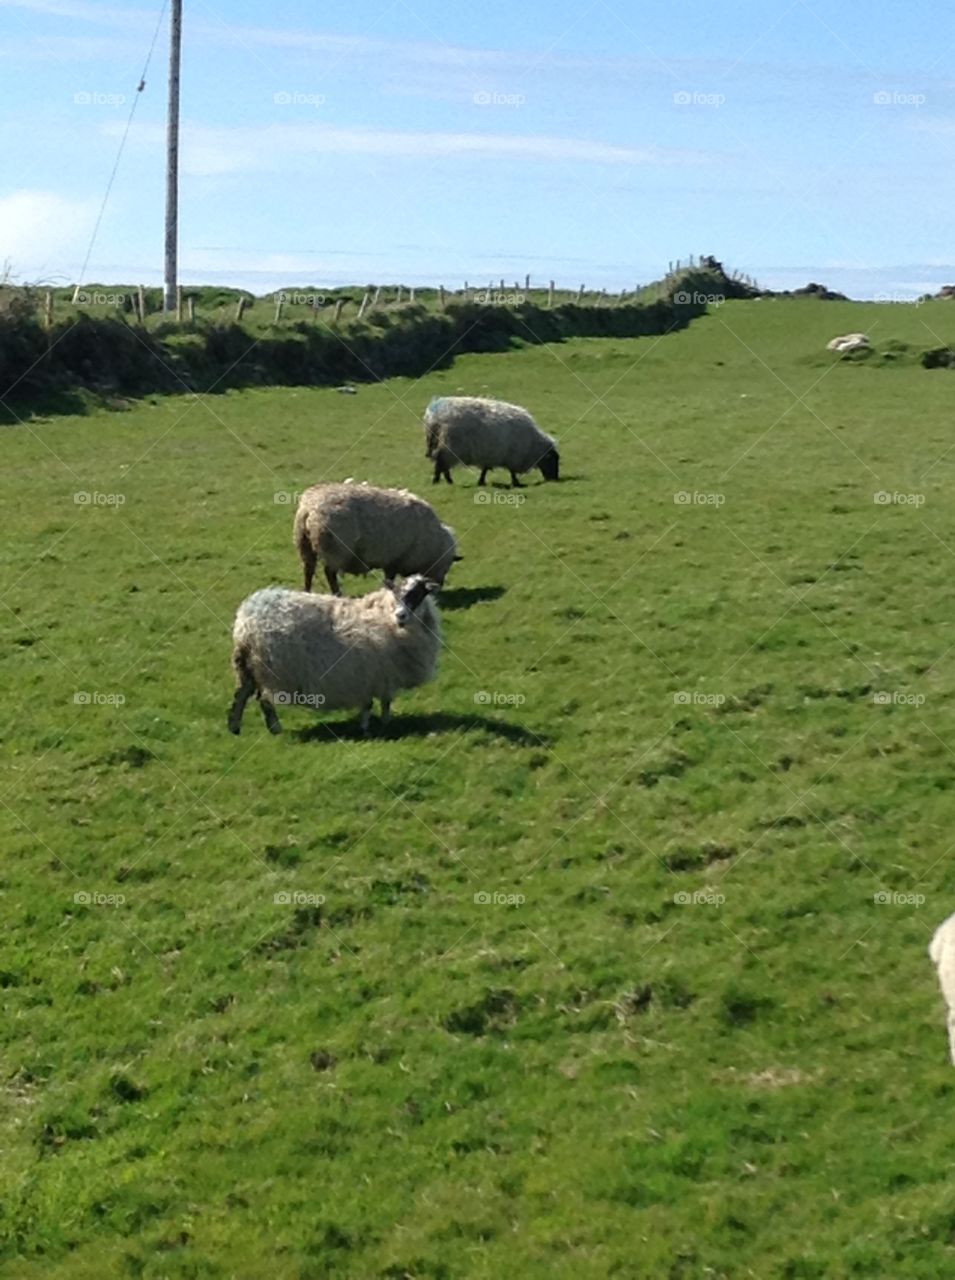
x=119 y=154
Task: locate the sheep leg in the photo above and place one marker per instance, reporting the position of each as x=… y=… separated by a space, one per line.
x=309 y=561
x=365 y=717
x=515 y=481
x=268 y=711
x=385 y=710
x=332 y=576
x=242 y=695
x=483 y=476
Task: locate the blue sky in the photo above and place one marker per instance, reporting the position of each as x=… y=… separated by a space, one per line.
x=425 y=142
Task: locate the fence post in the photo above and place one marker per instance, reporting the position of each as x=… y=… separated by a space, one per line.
x=580 y=293
x=191 y=308
x=339 y=303
x=411 y=294
x=398 y=298
x=550 y=295
x=374 y=301
x=527 y=282
x=48 y=308
x=441 y=296
x=278 y=308
x=178 y=304
x=141 y=304
x=364 y=304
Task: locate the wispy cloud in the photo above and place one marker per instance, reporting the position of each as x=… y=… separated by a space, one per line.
x=38 y=229
x=209 y=151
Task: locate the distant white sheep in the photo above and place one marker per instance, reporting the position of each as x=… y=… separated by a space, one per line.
x=327 y=652
x=942 y=953
x=848 y=342
x=486 y=433
x=353 y=528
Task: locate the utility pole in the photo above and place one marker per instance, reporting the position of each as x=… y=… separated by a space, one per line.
x=172 y=161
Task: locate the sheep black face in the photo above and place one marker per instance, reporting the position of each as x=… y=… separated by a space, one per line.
x=409 y=597
x=550 y=465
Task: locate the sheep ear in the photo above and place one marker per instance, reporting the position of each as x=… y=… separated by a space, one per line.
x=459 y=557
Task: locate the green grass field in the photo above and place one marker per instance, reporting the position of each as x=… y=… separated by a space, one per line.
x=619 y=967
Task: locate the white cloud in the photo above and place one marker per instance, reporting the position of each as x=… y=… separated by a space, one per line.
x=208 y=151
x=41 y=230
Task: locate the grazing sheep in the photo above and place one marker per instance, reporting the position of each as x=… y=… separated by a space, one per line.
x=326 y=652
x=352 y=528
x=942 y=953
x=486 y=434
x=848 y=342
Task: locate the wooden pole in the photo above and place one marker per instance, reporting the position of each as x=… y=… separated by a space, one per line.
x=172 y=158
x=374 y=301
x=191 y=308
x=550 y=295
x=339 y=303
x=141 y=304
x=178 y=304
x=398 y=298
x=580 y=293
x=240 y=307
x=364 y=304
x=411 y=294
x=441 y=296
x=527 y=281
x=48 y=308
x=278 y=308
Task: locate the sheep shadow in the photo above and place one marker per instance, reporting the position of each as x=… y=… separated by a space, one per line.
x=464 y=597
x=421 y=726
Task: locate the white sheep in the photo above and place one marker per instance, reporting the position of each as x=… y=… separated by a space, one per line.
x=352 y=528
x=848 y=342
x=294 y=648
x=942 y=954
x=486 y=433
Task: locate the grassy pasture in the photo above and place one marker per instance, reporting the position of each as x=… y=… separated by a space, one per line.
x=696 y=712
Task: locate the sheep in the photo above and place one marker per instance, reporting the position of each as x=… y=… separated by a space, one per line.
x=353 y=528
x=942 y=954
x=848 y=342
x=486 y=433
x=295 y=648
